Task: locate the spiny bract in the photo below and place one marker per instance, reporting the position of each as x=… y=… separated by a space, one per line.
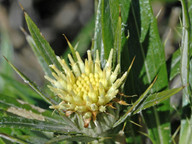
x=87 y=88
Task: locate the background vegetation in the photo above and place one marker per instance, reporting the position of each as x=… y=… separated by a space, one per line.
x=131 y=28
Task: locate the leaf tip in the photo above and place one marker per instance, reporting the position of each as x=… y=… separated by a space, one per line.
x=155 y=79
x=22 y=8
x=23 y=30
x=25 y=14
x=6 y=59
x=66 y=38
x=119 y=11
x=131 y=64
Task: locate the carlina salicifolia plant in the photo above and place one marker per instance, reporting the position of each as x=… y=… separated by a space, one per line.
x=86 y=95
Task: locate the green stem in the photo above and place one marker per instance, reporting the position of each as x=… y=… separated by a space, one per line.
x=185 y=132
x=185 y=54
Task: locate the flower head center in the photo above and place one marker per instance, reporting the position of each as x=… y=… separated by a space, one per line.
x=85 y=83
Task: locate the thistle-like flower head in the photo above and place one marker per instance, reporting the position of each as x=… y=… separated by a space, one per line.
x=86 y=88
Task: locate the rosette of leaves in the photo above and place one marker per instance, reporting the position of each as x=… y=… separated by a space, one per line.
x=100 y=118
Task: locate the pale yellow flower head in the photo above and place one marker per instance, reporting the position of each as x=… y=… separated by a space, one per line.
x=86 y=88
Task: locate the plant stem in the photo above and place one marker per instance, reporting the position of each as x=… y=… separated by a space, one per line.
x=185 y=132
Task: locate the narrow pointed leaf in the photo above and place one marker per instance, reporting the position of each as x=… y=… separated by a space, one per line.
x=174 y=63
x=12 y=139
x=40 y=58
x=107 y=32
x=97 y=41
x=21 y=108
x=20 y=122
x=71 y=48
x=6 y=49
x=43 y=46
x=125 y=10
x=17 y=89
x=117 y=41
x=114 y=7
x=31 y=84
x=128 y=113
x=36 y=138
x=84 y=139
x=156 y=98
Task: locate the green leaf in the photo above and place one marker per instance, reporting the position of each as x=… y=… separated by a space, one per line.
x=37 y=138
x=114 y=7
x=21 y=108
x=17 y=89
x=27 y=115
x=144 y=43
x=13 y=132
x=1 y=141
x=84 y=139
x=12 y=139
x=43 y=46
x=185 y=54
x=97 y=40
x=28 y=136
x=71 y=48
x=21 y=122
x=40 y=58
x=107 y=32
x=156 y=98
x=174 y=63
x=31 y=84
x=135 y=104
x=149 y=61
x=6 y=49
x=7 y=102
x=117 y=41
x=146 y=15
